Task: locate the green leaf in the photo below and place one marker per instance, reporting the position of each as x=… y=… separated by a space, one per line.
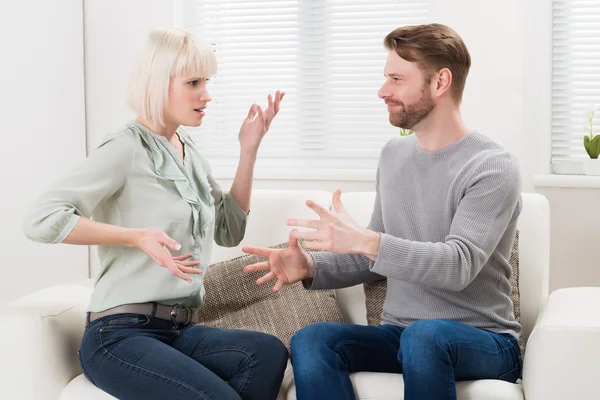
x=595 y=147
x=586 y=145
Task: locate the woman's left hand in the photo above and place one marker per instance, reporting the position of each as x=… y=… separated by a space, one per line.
x=257 y=123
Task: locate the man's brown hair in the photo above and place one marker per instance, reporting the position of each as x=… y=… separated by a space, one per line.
x=433 y=47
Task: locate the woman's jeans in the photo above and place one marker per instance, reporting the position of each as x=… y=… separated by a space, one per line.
x=430 y=354
x=132 y=356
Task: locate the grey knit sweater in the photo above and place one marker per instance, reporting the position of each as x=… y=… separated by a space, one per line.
x=447 y=221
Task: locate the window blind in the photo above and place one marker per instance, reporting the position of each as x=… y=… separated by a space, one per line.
x=327 y=55
x=575 y=80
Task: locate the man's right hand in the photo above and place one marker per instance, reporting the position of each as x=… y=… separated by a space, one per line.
x=286 y=265
x=155 y=242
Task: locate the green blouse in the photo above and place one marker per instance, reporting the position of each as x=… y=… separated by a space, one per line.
x=135 y=179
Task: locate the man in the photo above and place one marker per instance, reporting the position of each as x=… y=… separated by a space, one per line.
x=441 y=232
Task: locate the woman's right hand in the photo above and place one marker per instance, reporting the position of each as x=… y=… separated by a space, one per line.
x=155 y=242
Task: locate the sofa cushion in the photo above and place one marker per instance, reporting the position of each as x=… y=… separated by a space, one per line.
x=234 y=301
x=375 y=292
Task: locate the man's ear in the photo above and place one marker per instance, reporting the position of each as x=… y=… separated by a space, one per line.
x=443 y=81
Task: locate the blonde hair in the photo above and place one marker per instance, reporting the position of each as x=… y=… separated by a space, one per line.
x=167 y=53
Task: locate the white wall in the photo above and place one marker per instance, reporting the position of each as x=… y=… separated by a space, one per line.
x=507 y=96
x=114 y=30
x=43 y=124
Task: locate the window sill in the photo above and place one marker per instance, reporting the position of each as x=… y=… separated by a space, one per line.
x=567 y=181
x=301 y=174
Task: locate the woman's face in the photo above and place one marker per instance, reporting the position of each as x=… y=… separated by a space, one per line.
x=188 y=97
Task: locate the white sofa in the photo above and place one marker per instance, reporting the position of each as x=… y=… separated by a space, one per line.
x=40 y=333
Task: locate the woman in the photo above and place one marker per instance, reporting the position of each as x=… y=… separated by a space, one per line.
x=156 y=212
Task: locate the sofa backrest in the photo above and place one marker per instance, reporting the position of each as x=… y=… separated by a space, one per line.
x=270 y=209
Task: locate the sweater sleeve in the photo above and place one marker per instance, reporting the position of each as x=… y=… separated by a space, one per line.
x=230 y=219
x=489 y=205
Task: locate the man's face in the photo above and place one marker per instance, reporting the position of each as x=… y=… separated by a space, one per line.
x=406 y=92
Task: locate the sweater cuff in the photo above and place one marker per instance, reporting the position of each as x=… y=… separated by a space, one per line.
x=388 y=255
x=308 y=283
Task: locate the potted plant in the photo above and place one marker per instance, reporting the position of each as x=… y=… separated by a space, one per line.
x=591 y=143
x=405 y=132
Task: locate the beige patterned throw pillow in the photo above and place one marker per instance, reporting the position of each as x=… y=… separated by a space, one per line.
x=234 y=301
x=375 y=292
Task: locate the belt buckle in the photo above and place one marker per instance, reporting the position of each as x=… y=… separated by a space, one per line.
x=173 y=313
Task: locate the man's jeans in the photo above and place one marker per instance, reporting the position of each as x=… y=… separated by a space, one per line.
x=132 y=356
x=430 y=354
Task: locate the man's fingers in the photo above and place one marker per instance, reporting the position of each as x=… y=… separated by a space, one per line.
x=316 y=245
x=319 y=209
x=261 y=266
x=259 y=251
x=293 y=240
x=267 y=278
x=307 y=223
x=337 y=201
x=318 y=235
x=278 y=286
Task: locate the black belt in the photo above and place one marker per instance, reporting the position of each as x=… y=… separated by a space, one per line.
x=176 y=314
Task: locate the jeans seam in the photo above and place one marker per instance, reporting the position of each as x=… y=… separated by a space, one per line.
x=340 y=375
x=490 y=350
x=337 y=347
x=248 y=373
x=182 y=384
x=85 y=373
x=509 y=372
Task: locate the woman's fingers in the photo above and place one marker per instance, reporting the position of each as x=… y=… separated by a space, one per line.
x=190 y=270
x=183 y=257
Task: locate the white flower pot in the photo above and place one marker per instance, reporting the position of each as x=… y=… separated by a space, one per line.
x=591 y=167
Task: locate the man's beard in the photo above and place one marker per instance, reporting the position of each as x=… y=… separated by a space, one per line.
x=411 y=115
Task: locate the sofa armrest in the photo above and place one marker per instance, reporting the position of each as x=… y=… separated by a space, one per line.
x=563 y=351
x=40 y=336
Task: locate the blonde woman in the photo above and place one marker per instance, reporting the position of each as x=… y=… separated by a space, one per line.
x=156 y=210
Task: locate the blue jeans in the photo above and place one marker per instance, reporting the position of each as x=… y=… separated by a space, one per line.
x=132 y=356
x=430 y=354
